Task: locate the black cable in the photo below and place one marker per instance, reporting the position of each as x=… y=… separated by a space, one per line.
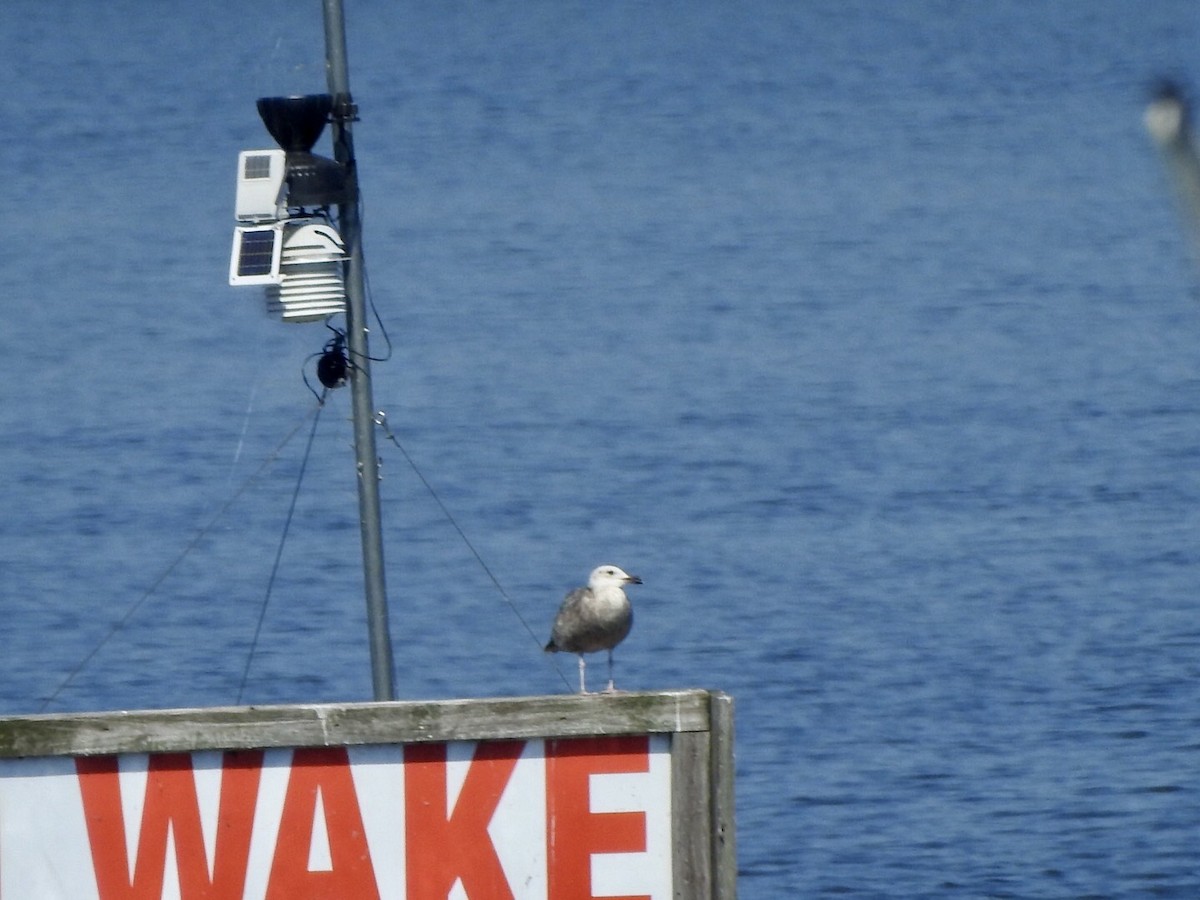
x=375 y=312
x=362 y=208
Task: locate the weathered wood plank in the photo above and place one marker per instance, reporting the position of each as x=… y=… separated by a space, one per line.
x=721 y=778
x=691 y=858
x=319 y=725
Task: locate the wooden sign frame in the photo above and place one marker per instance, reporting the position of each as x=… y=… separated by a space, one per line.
x=697 y=726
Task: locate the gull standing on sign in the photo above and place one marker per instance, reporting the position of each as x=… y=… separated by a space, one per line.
x=594 y=618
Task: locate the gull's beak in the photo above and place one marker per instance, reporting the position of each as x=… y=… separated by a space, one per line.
x=632 y=579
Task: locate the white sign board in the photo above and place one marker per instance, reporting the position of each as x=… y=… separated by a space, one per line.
x=540 y=818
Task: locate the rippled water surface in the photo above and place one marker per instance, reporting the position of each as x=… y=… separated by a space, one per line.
x=865 y=333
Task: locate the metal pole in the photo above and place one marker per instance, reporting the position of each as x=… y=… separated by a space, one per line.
x=360 y=360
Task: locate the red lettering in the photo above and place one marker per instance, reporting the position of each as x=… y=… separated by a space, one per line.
x=170 y=806
x=444 y=846
x=325 y=770
x=573 y=831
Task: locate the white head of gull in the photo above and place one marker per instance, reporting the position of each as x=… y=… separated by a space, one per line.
x=594 y=618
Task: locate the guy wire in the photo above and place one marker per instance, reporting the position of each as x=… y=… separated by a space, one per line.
x=192 y=544
x=287 y=524
x=381 y=421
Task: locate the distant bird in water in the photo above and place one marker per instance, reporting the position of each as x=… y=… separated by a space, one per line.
x=594 y=618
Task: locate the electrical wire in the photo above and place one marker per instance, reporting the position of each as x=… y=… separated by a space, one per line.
x=157 y=583
x=387 y=339
x=375 y=312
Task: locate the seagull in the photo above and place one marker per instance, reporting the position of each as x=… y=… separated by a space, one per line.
x=594 y=618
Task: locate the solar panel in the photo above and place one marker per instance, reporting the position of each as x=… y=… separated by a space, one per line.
x=256 y=165
x=256 y=254
x=261 y=175
x=258 y=251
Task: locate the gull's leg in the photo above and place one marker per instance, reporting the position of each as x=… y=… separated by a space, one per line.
x=582 y=680
x=611 y=686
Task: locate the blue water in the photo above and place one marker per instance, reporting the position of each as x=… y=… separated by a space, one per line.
x=865 y=333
